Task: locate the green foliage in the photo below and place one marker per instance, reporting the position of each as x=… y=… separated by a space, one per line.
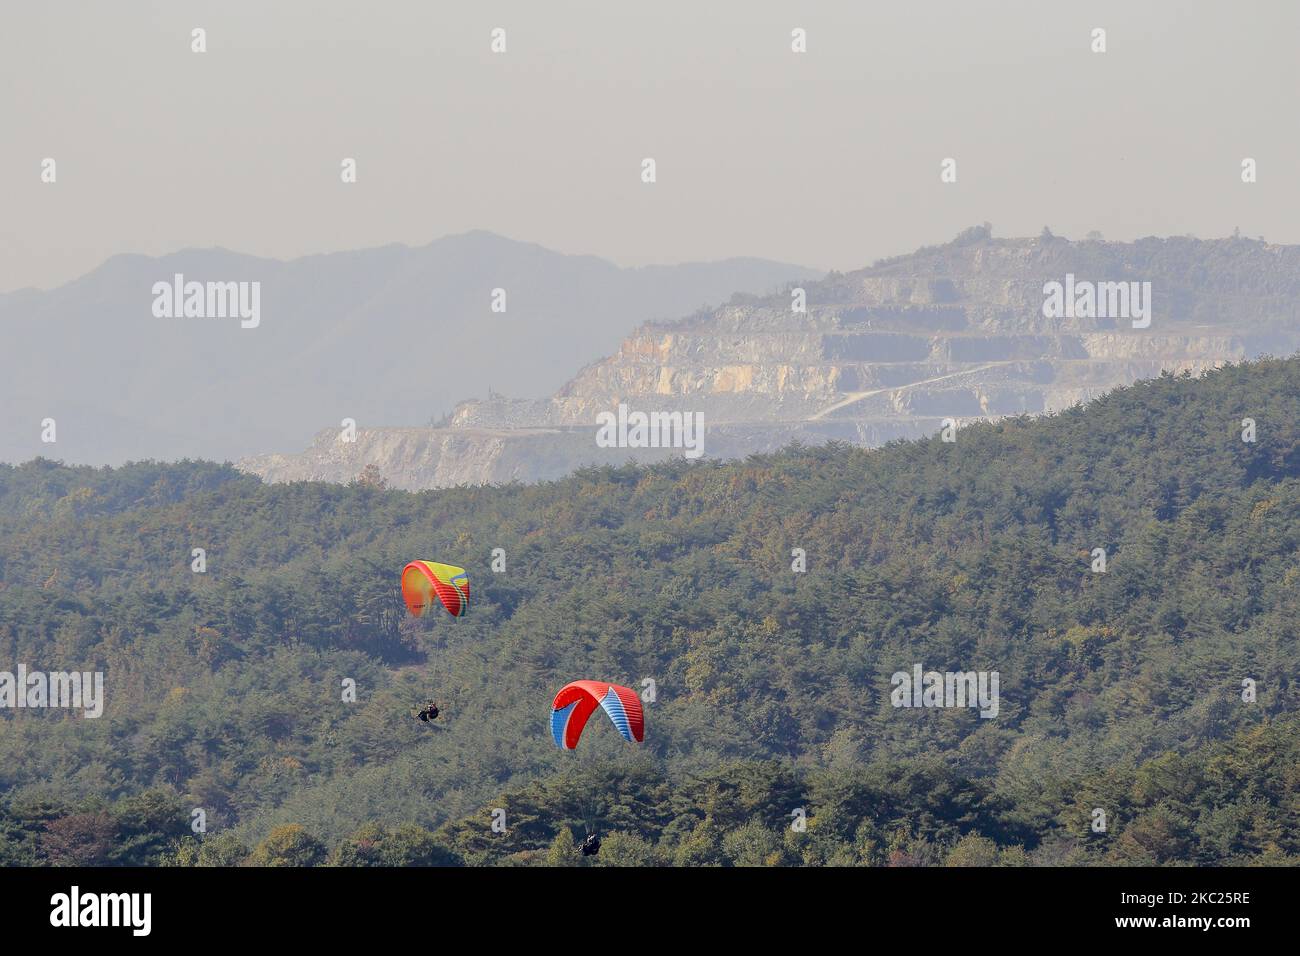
x=288 y=845
x=403 y=845
x=223 y=849
x=563 y=850
x=1119 y=691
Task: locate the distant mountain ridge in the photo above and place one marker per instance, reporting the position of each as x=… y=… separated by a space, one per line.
x=393 y=334
x=956 y=331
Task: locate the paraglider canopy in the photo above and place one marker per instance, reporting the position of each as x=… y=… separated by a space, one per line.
x=576 y=701
x=423 y=582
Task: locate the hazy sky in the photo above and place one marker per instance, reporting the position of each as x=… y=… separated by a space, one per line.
x=829 y=158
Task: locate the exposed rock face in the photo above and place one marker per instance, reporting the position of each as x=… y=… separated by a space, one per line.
x=394 y=335
x=958 y=331
x=416 y=458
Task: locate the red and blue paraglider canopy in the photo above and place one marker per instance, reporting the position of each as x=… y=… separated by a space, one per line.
x=575 y=702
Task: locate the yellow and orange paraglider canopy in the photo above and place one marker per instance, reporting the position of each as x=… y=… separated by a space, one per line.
x=423 y=581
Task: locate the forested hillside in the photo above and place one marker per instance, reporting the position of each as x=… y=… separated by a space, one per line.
x=1120 y=690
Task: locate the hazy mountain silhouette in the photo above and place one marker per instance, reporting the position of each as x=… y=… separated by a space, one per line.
x=392 y=334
